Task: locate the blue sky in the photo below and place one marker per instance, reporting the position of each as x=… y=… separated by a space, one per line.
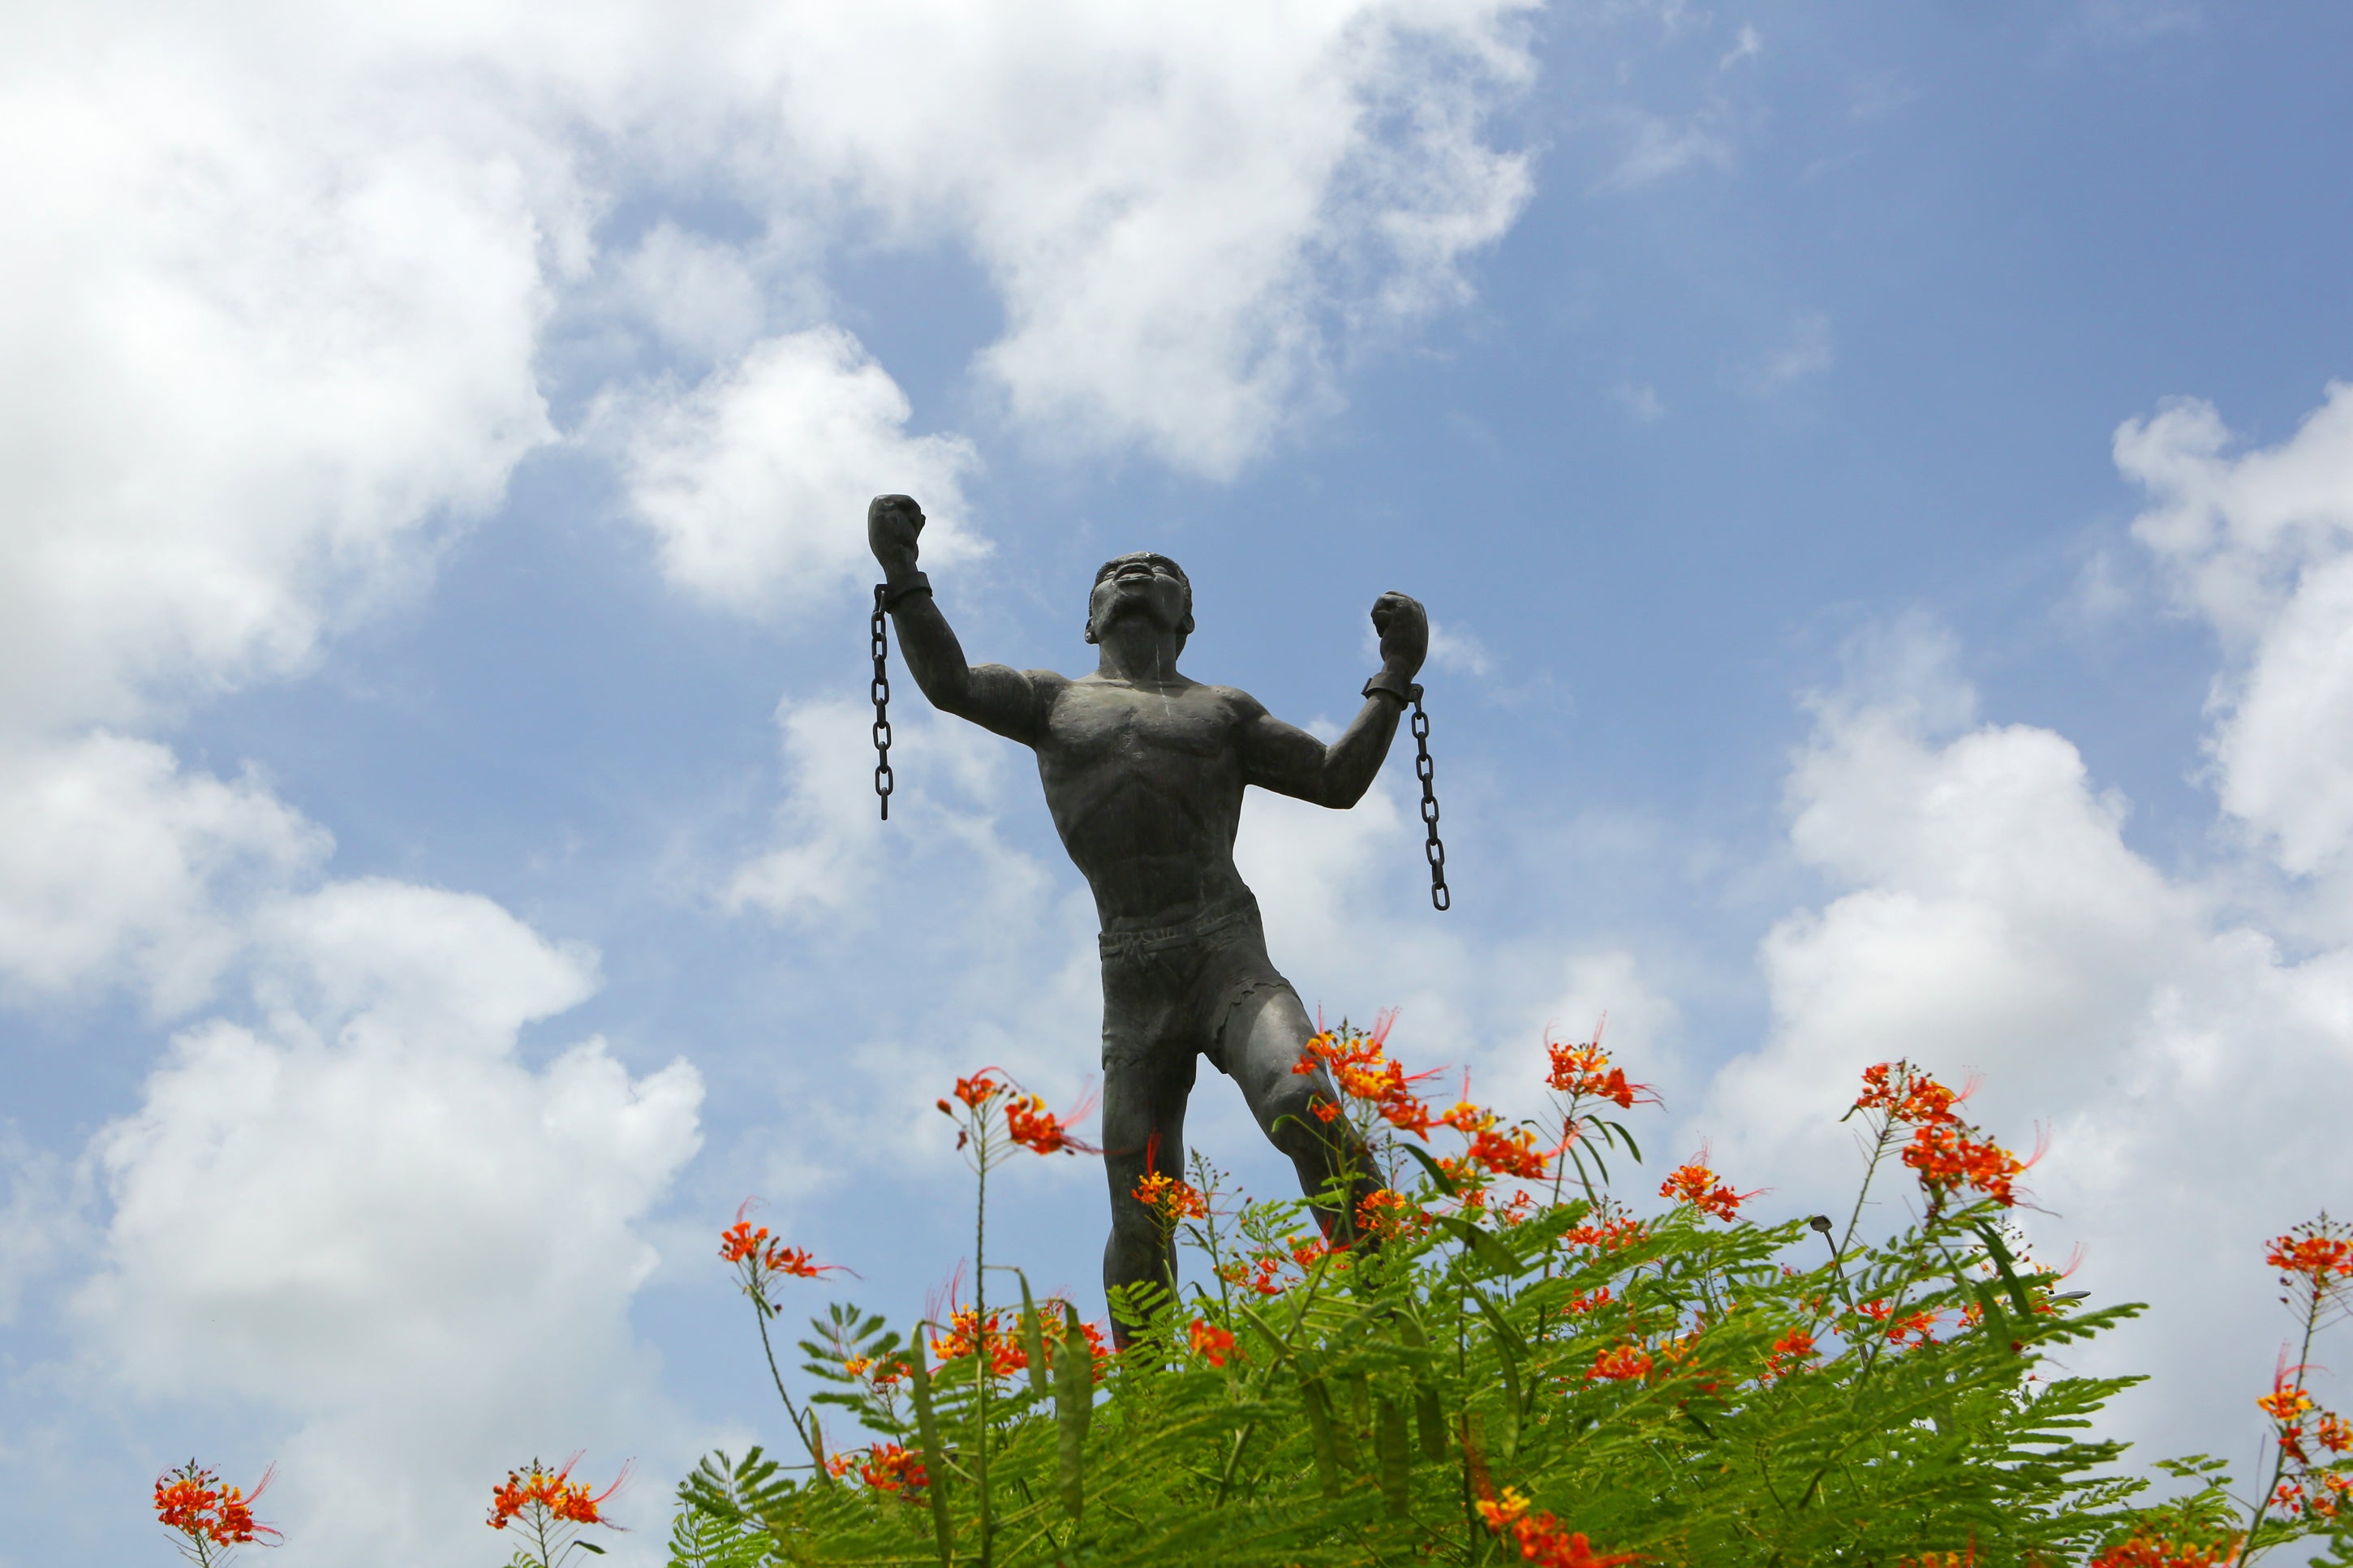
x=1878 y=472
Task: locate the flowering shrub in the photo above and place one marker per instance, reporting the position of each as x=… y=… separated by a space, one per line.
x=211 y=1519
x=1512 y=1365
x=548 y=1509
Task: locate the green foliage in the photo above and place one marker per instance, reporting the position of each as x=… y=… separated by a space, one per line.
x=1690 y=1389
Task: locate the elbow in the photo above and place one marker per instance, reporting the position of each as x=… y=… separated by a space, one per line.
x=1340 y=794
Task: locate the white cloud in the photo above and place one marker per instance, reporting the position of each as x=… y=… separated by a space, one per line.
x=118 y=867
x=2260 y=544
x=1179 y=205
x=756 y=480
x=371 y=1218
x=256 y=368
x=275 y=316
x=1986 y=914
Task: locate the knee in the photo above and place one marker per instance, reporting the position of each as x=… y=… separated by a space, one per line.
x=1287 y=1108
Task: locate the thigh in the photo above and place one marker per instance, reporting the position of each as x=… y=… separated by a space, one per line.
x=1266 y=1040
x=1143 y=1117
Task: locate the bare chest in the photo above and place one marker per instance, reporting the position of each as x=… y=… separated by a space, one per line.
x=1093 y=725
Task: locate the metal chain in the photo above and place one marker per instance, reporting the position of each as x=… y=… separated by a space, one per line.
x=882 y=693
x=1426 y=771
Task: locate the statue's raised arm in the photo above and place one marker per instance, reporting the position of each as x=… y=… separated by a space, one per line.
x=1289 y=760
x=1009 y=701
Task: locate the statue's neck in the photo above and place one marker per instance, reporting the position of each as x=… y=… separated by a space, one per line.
x=1136 y=650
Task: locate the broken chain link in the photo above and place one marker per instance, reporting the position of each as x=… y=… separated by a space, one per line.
x=880 y=690
x=1441 y=897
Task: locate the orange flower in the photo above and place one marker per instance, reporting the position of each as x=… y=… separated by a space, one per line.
x=979 y=1090
x=1790 y=1351
x=1510 y=1154
x=1585 y=1302
x=1947 y=1159
x=794 y=1261
x=1261 y=1275
x=1621 y=1363
x=191 y=1501
x=537 y=1487
x=1584 y=1072
x=760 y=1259
x=1540 y=1538
x=1358 y=1065
x=966 y=1332
x=2315 y=1257
x=1695 y=1185
x=1907 y=1095
x=891 y=1468
x=1210 y=1342
x=740 y=1241
x=2155 y=1551
x=2333 y=1434
x=2285 y=1402
x=1038 y=1130
x=1386 y=1213
x=1169 y=1198
x=1610 y=1236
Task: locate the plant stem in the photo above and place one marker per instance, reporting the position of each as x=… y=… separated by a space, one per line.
x=2279 y=1450
x=804 y=1431
x=983 y=1370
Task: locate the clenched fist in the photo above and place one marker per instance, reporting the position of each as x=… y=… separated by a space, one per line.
x=1404 y=628
x=893 y=525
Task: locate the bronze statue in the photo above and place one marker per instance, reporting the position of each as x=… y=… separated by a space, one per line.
x=1144 y=771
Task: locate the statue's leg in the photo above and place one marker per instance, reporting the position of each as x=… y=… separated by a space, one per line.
x=1143 y=1128
x=1266 y=1040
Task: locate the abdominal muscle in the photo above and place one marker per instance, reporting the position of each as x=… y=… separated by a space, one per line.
x=1150 y=853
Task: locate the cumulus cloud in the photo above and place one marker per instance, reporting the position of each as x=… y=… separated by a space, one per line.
x=2259 y=545
x=1987 y=915
x=275 y=329
x=756 y=480
x=1177 y=206
x=370 y=1215
x=256 y=371
x=119 y=867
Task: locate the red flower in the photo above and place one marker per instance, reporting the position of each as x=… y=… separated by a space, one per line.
x=1621 y=1363
x=1261 y=1275
x=1790 y=1352
x=1510 y=1154
x=1039 y=1131
x=191 y=1501
x=2315 y=1257
x=891 y=1468
x=1908 y=1096
x=1540 y=1538
x=1584 y=1072
x=536 y=1487
x=976 y=1090
x=1210 y=1342
x=1169 y=1198
x=1695 y=1185
x=2152 y=1551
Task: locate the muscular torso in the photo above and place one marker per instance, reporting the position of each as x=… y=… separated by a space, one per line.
x=1146 y=785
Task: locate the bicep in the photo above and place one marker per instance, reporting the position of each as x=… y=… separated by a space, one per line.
x=1012 y=702
x=1282 y=758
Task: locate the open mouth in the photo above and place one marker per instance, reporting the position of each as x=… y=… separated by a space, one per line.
x=1140 y=569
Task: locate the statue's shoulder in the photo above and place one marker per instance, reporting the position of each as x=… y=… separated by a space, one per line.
x=1236 y=702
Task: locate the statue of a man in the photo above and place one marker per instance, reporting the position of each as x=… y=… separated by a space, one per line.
x=1144 y=771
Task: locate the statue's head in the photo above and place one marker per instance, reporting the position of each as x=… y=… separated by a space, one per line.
x=1141 y=583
